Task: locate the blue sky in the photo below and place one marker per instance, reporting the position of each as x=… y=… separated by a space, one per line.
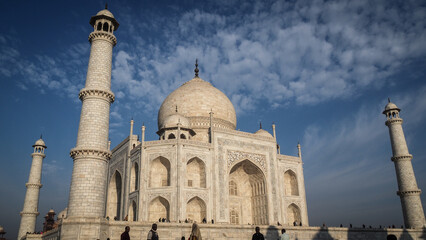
x=321 y=70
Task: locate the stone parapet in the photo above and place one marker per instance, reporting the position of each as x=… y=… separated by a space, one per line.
x=77 y=153
x=102 y=229
x=407 y=157
x=103 y=36
x=103 y=94
x=393 y=121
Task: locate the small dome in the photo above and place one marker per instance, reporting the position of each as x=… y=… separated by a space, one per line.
x=105 y=12
x=262 y=132
x=51 y=211
x=391 y=106
x=173 y=120
x=39 y=142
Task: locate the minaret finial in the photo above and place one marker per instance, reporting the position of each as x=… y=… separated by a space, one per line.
x=389 y=100
x=106 y=5
x=196 y=68
x=41 y=136
x=260 y=123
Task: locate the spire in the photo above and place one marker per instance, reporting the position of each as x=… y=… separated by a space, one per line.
x=196 y=68
x=106 y=5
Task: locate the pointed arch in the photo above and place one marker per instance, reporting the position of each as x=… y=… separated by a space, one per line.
x=291 y=186
x=171 y=136
x=134 y=177
x=133 y=212
x=196 y=173
x=105 y=27
x=159 y=172
x=158 y=208
x=114 y=196
x=250 y=201
x=196 y=209
x=293 y=214
x=99 y=27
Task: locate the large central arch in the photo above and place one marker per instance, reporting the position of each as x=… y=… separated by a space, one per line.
x=247 y=194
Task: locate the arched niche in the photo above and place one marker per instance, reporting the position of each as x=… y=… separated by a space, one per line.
x=159 y=172
x=234 y=216
x=250 y=201
x=133 y=212
x=233 y=189
x=196 y=173
x=114 y=196
x=196 y=209
x=293 y=214
x=158 y=208
x=291 y=187
x=134 y=177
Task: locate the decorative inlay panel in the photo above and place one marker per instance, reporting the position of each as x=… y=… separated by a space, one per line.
x=236 y=156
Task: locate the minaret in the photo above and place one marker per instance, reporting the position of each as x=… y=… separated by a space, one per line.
x=408 y=192
x=91 y=153
x=30 y=211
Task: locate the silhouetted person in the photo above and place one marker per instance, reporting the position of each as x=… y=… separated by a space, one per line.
x=350 y=225
x=125 y=235
x=284 y=236
x=341 y=225
x=195 y=232
x=363 y=225
x=257 y=235
x=152 y=234
x=391 y=237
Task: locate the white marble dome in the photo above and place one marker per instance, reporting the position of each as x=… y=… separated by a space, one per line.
x=195 y=99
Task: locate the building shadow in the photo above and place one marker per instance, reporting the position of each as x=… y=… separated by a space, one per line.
x=323 y=234
x=423 y=236
x=272 y=233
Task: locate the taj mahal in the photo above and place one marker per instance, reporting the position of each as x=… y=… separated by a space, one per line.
x=201 y=169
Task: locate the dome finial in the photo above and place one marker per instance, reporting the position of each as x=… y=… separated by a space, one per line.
x=388 y=100
x=41 y=136
x=106 y=5
x=260 y=123
x=196 y=68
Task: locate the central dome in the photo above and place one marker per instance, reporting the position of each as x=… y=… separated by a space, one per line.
x=195 y=100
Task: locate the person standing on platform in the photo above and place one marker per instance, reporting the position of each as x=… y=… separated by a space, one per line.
x=257 y=235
